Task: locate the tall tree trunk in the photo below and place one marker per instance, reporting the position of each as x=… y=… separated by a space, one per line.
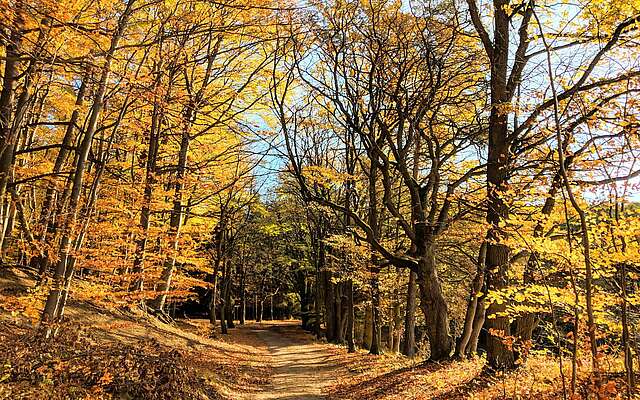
x=223 y=309
x=224 y=298
x=329 y=307
x=499 y=355
x=478 y=323
x=228 y=301
x=433 y=304
x=9 y=224
x=230 y=305
x=304 y=299
x=367 y=328
x=397 y=321
x=64 y=270
x=376 y=346
x=376 y=334
x=176 y=215
x=463 y=346
x=255 y=308
x=23 y=104
x=213 y=300
x=243 y=296
x=11 y=118
x=41 y=261
x=339 y=315
x=87 y=210
x=145 y=212
x=350 y=318
x=351 y=166
x=218 y=237
x=271 y=317
x=9 y=79
x=316 y=299
x=409 y=347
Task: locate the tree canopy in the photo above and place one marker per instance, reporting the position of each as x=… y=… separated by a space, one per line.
x=442 y=179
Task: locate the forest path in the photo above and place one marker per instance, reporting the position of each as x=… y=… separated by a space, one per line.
x=301 y=369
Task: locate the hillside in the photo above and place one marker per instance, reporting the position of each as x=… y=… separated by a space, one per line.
x=127 y=354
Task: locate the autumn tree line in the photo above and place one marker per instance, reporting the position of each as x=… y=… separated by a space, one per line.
x=437 y=178
x=125 y=142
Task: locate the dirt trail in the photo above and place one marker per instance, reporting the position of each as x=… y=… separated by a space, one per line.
x=301 y=369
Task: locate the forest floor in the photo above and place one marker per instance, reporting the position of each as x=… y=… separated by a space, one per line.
x=107 y=352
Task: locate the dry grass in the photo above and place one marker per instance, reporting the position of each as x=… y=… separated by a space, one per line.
x=75 y=365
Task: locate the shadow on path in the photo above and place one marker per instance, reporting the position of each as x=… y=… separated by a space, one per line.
x=302 y=369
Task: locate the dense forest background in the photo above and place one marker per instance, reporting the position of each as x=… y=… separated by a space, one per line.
x=442 y=179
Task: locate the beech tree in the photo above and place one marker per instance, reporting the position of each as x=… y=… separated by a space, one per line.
x=507 y=143
x=390 y=81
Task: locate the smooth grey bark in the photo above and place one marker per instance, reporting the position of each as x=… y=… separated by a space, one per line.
x=396 y=332
x=409 y=347
x=462 y=347
x=175 y=222
x=150 y=172
x=376 y=346
x=41 y=261
x=351 y=345
x=243 y=295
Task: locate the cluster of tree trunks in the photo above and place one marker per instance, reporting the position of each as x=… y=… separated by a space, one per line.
x=56 y=227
